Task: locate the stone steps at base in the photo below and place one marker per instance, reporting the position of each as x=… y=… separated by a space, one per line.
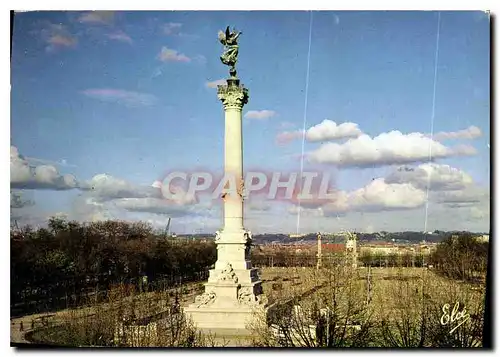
x=225 y=337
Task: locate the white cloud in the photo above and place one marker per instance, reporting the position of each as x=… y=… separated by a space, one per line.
x=63 y=162
x=470 y=219
x=108 y=191
x=101 y=205
x=123 y=97
x=286 y=125
x=105 y=187
x=214 y=84
x=477 y=213
x=455 y=203
x=260 y=205
x=260 y=114
x=56 y=36
x=324 y=131
x=339 y=205
x=406 y=189
x=153 y=205
x=171 y=28
x=384 y=149
x=168 y=54
x=472 y=132
x=287 y=136
x=375 y=196
x=471 y=194
x=329 y=130
x=305 y=212
x=380 y=195
x=97 y=17
x=24 y=176
x=181 y=196
x=86 y=208
x=442 y=177
x=120 y=36
x=60 y=40
x=174 y=29
x=19 y=167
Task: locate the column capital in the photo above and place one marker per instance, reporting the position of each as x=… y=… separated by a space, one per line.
x=233 y=95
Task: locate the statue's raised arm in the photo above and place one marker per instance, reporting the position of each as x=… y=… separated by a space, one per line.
x=234 y=36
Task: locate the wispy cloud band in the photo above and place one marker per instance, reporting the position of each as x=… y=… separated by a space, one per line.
x=168 y=54
x=260 y=114
x=214 y=84
x=97 y=17
x=119 y=96
x=120 y=36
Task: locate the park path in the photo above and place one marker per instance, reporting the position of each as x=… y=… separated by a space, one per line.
x=18 y=335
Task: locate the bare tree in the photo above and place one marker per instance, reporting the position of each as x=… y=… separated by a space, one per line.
x=328 y=314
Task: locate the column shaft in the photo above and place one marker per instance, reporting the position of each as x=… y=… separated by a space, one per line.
x=233 y=165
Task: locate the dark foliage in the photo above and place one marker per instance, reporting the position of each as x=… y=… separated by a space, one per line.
x=56 y=267
x=461 y=257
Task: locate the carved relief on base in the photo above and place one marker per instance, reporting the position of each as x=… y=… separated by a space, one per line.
x=207 y=298
x=228 y=274
x=247 y=297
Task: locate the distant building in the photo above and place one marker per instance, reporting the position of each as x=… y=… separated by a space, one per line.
x=386 y=248
x=333 y=247
x=483 y=239
x=379 y=249
x=296 y=235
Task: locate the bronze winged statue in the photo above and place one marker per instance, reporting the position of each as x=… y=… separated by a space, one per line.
x=230 y=56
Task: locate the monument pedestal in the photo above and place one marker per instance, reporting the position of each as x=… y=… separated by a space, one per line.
x=218 y=316
x=233 y=293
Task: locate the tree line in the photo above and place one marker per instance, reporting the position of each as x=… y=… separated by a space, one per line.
x=461 y=257
x=458 y=256
x=67 y=258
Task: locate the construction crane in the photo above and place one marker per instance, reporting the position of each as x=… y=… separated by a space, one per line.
x=14 y=225
x=167 y=228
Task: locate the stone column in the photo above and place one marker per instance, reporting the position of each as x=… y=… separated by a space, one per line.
x=351 y=249
x=319 y=256
x=234 y=289
x=233 y=96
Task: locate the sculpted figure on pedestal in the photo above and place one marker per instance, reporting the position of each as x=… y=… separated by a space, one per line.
x=230 y=56
x=205 y=299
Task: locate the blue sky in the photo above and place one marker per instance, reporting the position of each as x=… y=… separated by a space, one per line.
x=127 y=94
